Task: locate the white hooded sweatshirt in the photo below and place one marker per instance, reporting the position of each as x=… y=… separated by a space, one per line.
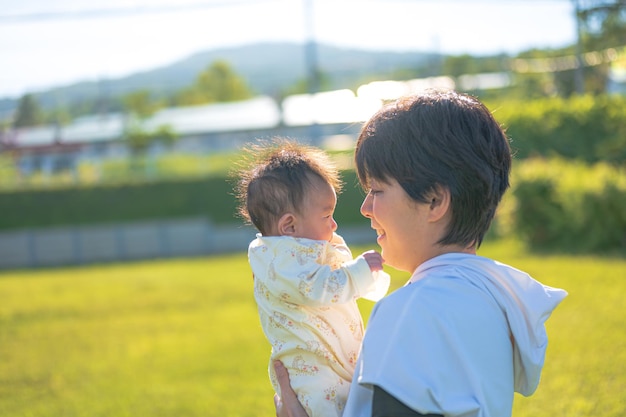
x=457 y=340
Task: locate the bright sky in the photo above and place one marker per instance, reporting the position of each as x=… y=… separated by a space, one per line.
x=46 y=43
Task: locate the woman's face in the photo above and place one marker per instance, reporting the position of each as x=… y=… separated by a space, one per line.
x=405 y=234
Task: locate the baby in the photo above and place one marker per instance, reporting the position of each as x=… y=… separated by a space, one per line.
x=306 y=281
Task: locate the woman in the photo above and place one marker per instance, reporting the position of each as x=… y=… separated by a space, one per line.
x=466 y=332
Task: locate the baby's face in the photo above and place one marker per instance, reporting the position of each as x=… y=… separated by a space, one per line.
x=316 y=220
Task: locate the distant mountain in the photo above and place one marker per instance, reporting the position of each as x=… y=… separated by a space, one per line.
x=268 y=68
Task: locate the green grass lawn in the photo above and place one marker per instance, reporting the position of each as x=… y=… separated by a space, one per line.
x=181 y=338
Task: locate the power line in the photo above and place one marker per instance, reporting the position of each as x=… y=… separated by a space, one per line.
x=133 y=11
x=119 y=12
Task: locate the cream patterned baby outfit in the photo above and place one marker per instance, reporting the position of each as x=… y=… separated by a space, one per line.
x=306 y=292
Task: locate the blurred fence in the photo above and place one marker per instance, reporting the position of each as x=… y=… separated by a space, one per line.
x=132 y=241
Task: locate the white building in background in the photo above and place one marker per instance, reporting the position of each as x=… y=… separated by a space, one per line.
x=331 y=107
x=329 y=119
x=391 y=90
x=200 y=129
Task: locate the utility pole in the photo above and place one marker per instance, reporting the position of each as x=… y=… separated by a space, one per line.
x=312 y=70
x=310 y=48
x=579 y=78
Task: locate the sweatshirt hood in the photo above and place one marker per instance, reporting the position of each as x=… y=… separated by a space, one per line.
x=526 y=303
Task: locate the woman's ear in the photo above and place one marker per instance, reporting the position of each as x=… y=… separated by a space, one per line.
x=287 y=225
x=440 y=202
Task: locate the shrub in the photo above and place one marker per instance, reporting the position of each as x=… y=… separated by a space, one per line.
x=211 y=197
x=570 y=206
x=585 y=128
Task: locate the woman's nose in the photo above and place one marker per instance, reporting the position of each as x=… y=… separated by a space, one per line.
x=366 y=207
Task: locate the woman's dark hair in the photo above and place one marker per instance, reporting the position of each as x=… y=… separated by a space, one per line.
x=440 y=139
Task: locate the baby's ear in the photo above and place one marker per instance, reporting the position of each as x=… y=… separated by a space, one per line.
x=287 y=225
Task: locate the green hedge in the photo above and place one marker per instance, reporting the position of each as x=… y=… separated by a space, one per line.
x=589 y=129
x=117 y=203
x=570 y=206
x=211 y=197
x=553 y=204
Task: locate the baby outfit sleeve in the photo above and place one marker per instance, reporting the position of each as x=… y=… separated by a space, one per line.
x=299 y=273
x=372 y=286
x=378 y=286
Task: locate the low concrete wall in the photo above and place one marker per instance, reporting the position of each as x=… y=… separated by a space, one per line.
x=134 y=241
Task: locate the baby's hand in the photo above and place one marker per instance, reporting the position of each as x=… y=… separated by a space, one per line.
x=374 y=260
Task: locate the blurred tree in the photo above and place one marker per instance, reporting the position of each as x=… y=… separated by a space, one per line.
x=457 y=65
x=301 y=86
x=543 y=81
x=165 y=135
x=28 y=112
x=603 y=22
x=217 y=83
x=139 y=139
x=140 y=106
x=59 y=116
x=602 y=26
